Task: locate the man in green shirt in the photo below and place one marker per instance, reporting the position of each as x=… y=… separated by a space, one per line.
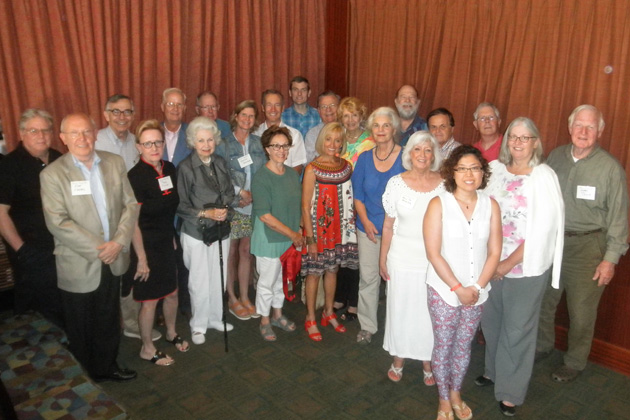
x=596 y=231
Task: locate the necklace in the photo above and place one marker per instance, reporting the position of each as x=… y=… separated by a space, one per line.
x=463 y=202
x=388 y=155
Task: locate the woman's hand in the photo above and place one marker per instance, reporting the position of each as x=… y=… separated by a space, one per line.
x=383 y=271
x=142 y=270
x=297 y=239
x=218 y=215
x=370 y=231
x=312 y=251
x=246 y=197
x=503 y=268
x=467 y=295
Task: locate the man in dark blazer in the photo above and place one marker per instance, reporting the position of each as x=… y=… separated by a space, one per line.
x=91 y=211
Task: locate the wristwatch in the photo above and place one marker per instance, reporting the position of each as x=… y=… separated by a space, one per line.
x=479 y=288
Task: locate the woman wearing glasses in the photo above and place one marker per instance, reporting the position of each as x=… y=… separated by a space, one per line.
x=328 y=220
x=532 y=214
x=277 y=193
x=245 y=155
x=462 y=235
x=152 y=268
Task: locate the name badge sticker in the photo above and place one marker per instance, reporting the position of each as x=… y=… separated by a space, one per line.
x=245 y=160
x=407 y=202
x=585 y=192
x=80 y=188
x=166 y=183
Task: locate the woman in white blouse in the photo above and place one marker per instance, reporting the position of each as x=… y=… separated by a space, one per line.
x=532 y=215
x=462 y=233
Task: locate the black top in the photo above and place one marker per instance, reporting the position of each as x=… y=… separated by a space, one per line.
x=19 y=178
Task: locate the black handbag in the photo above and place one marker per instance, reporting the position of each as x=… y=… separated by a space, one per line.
x=219 y=230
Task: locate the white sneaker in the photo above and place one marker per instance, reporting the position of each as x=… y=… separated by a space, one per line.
x=155 y=334
x=198 y=338
x=218 y=325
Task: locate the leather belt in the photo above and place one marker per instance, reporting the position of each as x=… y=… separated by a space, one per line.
x=582 y=233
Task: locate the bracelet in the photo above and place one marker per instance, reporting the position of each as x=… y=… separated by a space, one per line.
x=456 y=287
x=310 y=240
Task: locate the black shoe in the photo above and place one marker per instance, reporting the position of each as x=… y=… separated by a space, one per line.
x=507 y=410
x=483 y=381
x=121 y=375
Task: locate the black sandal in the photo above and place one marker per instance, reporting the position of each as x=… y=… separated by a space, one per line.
x=178 y=340
x=159 y=356
x=349 y=316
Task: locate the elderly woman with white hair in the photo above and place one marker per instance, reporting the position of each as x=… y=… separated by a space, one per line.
x=373 y=170
x=532 y=214
x=203 y=179
x=403 y=262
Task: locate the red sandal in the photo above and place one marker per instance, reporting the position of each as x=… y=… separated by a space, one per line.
x=316 y=336
x=326 y=320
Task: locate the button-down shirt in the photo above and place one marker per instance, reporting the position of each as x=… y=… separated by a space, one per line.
x=95 y=178
x=297 y=152
x=448 y=147
x=107 y=140
x=301 y=122
x=171 y=141
x=416 y=125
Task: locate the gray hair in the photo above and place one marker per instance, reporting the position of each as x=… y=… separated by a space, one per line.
x=31 y=113
x=388 y=112
x=172 y=90
x=202 y=123
x=505 y=156
x=584 y=107
x=483 y=105
x=119 y=97
x=422 y=137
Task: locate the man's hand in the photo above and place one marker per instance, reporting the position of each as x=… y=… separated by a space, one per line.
x=604 y=273
x=109 y=251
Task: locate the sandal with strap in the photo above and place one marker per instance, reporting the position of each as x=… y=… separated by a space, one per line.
x=283 y=323
x=459 y=411
x=316 y=336
x=177 y=340
x=238 y=310
x=395 y=373
x=160 y=356
x=429 y=380
x=267 y=332
x=443 y=415
x=327 y=320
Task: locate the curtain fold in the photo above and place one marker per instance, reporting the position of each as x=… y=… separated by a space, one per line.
x=70 y=55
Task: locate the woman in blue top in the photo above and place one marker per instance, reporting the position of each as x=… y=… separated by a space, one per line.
x=371 y=174
x=245 y=155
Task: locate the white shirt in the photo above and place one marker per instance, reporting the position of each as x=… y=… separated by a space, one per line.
x=297 y=152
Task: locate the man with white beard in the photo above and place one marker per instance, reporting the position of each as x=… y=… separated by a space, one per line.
x=407 y=104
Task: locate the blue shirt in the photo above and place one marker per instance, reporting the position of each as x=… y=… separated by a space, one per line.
x=95 y=179
x=416 y=125
x=224 y=128
x=300 y=122
x=368 y=186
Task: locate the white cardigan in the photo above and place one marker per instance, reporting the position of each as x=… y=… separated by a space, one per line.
x=544 y=235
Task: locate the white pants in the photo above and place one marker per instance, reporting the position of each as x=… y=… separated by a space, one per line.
x=204 y=281
x=269 y=293
x=370 y=281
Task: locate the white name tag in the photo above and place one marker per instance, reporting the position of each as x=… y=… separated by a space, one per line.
x=80 y=188
x=165 y=183
x=407 y=202
x=585 y=192
x=245 y=160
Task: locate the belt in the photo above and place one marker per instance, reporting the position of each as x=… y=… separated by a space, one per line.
x=571 y=234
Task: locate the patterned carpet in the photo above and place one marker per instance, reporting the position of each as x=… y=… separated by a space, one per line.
x=295 y=378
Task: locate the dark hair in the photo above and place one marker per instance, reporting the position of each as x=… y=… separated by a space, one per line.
x=240 y=107
x=299 y=79
x=442 y=111
x=270 y=133
x=448 y=167
x=118 y=97
x=270 y=92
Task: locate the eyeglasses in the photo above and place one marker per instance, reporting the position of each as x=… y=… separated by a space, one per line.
x=76 y=134
x=125 y=112
x=522 y=139
x=474 y=169
x=487 y=119
x=149 y=144
x=174 y=105
x=325 y=107
x=35 y=131
x=277 y=147
x=207 y=107
x=438 y=127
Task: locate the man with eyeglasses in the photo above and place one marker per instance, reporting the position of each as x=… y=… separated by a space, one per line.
x=300 y=115
x=595 y=194
x=327 y=104
x=487 y=121
x=272 y=106
x=174 y=108
x=407 y=104
x=91 y=211
x=208 y=106
x=28 y=243
x=116 y=137
x=441 y=125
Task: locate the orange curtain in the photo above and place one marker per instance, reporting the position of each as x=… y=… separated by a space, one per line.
x=70 y=55
x=536 y=58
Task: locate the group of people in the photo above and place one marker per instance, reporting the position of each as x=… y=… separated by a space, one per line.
x=463 y=235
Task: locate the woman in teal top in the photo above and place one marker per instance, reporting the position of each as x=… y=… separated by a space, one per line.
x=276 y=213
